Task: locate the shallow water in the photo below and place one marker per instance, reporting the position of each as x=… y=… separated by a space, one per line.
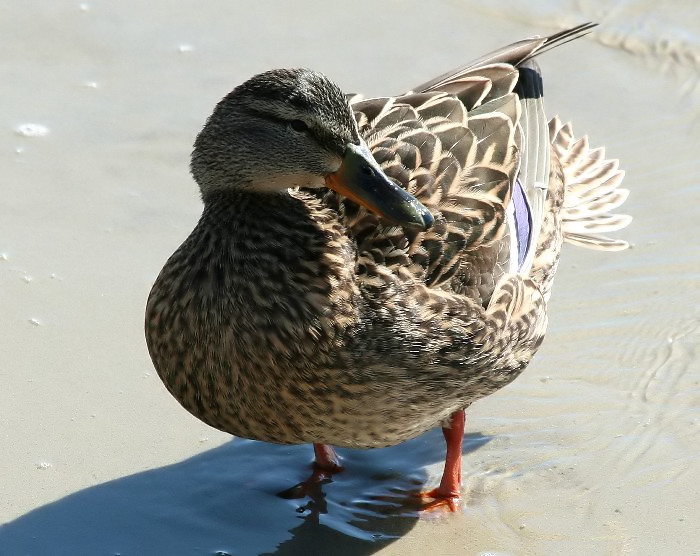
x=593 y=450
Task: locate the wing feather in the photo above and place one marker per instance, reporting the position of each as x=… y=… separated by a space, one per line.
x=459 y=143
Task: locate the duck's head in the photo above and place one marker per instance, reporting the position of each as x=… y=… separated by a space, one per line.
x=294 y=128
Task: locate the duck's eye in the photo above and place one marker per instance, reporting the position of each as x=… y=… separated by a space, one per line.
x=299 y=125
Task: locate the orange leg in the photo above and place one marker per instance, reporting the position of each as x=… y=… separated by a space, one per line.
x=326 y=463
x=449 y=491
x=326 y=458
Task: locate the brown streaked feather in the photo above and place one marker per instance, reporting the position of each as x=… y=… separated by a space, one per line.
x=458 y=142
x=459 y=166
x=460 y=161
x=592 y=191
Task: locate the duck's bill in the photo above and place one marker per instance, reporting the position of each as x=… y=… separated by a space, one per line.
x=360 y=179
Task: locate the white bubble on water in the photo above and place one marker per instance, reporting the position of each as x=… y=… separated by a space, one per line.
x=32 y=130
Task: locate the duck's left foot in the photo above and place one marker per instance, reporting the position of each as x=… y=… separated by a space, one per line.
x=326 y=459
x=326 y=464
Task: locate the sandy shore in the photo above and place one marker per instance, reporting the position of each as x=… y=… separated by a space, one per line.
x=593 y=450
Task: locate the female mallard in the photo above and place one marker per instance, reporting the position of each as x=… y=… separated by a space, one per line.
x=364 y=270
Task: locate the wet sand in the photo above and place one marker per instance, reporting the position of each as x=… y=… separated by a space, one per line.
x=594 y=449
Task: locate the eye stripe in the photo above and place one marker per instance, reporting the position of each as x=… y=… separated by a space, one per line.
x=299 y=125
x=327 y=140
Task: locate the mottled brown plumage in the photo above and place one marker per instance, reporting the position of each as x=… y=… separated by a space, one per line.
x=292 y=314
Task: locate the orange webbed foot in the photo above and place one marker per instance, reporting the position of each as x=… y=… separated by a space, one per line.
x=433 y=500
x=326 y=464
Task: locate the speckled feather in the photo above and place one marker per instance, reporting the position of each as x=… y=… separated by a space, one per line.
x=300 y=317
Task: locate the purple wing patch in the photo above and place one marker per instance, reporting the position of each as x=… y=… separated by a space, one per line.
x=523 y=221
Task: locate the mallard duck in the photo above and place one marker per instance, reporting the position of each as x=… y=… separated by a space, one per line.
x=364 y=269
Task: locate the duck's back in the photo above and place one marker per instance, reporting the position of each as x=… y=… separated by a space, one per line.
x=474 y=146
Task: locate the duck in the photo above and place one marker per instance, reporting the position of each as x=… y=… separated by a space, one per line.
x=364 y=269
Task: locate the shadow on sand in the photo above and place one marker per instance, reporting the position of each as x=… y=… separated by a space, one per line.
x=225 y=501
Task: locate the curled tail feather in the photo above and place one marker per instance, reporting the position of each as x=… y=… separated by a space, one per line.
x=591 y=191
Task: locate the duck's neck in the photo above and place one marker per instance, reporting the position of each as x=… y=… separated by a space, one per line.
x=274 y=231
x=242 y=207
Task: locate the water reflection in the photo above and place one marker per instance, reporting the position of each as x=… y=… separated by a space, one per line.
x=225 y=501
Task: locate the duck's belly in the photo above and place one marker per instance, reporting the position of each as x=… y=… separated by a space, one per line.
x=324 y=392
x=328 y=410
x=352 y=424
